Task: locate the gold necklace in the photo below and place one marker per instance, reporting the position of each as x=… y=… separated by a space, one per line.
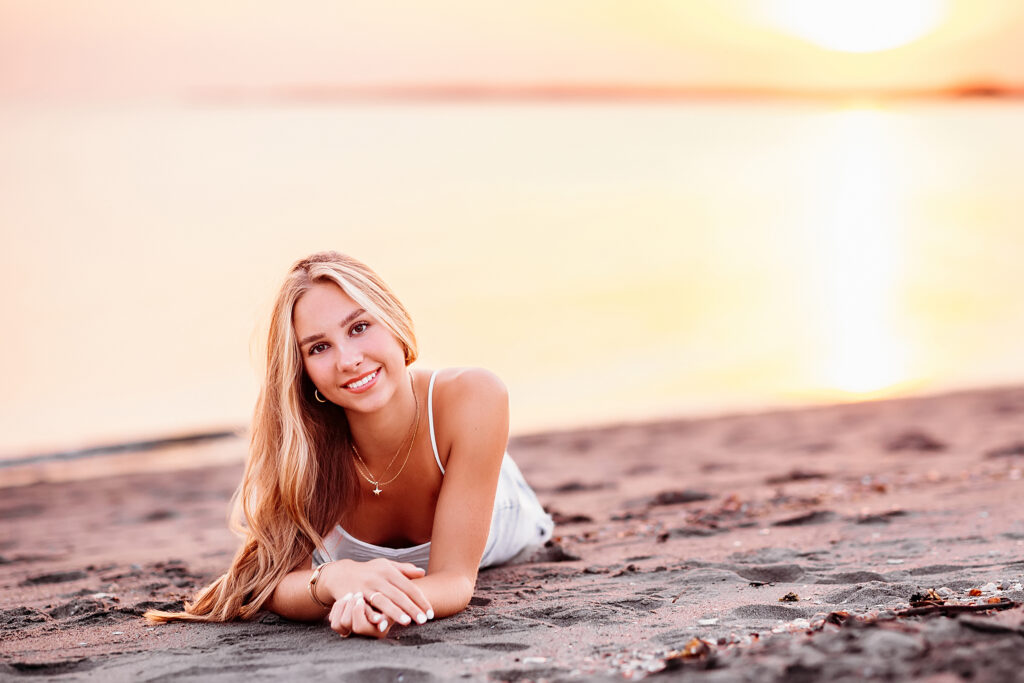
x=413 y=429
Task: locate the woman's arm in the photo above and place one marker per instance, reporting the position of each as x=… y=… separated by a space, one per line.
x=471 y=408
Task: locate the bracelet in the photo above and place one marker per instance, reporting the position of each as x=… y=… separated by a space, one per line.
x=312 y=585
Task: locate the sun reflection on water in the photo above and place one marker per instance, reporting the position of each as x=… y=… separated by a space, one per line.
x=860 y=221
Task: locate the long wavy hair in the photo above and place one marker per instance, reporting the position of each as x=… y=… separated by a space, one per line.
x=299 y=478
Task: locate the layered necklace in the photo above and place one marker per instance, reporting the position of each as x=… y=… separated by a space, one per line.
x=365 y=472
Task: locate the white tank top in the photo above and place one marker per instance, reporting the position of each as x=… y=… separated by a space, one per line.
x=518 y=521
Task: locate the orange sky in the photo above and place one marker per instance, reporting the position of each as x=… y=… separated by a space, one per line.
x=167 y=48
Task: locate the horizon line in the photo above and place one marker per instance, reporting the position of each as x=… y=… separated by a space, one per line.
x=583 y=92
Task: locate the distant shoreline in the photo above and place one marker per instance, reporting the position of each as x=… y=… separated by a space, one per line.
x=121 y=447
x=580 y=92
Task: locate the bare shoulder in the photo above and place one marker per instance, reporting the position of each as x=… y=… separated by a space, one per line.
x=471 y=396
x=470 y=384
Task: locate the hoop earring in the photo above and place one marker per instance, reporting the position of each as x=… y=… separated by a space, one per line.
x=316 y=395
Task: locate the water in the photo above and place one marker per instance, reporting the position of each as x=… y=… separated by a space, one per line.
x=609 y=261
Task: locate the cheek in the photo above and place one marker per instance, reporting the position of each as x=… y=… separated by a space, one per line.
x=397 y=349
x=314 y=366
x=385 y=344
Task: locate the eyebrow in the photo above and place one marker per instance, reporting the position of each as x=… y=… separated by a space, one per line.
x=348 y=318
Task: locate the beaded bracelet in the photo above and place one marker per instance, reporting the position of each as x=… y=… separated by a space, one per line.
x=312 y=586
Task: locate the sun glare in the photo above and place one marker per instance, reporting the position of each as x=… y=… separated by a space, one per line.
x=858 y=221
x=857 y=25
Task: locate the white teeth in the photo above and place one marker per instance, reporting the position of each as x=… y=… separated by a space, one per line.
x=363 y=382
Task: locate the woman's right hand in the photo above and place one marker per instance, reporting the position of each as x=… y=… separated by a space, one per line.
x=386 y=587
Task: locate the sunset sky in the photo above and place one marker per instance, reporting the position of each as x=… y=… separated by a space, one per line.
x=53 y=49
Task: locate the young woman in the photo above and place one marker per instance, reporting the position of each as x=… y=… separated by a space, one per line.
x=372 y=493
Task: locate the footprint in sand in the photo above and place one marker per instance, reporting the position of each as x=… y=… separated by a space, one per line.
x=872 y=593
x=386 y=674
x=679 y=497
x=414 y=639
x=56 y=577
x=770 y=612
x=562 y=518
x=19 y=618
x=851 y=577
x=815 y=517
x=936 y=569
x=48 y=668
x=777 y=573
x=882 y=517
x=19 y=511
x=500 y=647
x=561 y=615
x=1007 y=451
x=794 y=475
x=914 y=440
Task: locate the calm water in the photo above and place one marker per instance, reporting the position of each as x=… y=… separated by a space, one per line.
x=610 y=262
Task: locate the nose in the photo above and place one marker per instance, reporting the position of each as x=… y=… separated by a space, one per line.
x=349 y=358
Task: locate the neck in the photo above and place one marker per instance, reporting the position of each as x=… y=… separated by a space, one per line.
x=378 y=435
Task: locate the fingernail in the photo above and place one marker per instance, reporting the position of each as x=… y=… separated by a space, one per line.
x=383 y=626
x=430 y=613
x=347 y=596
x=421 y=618
x=405 y=619
x=375 y=617
x=359 y=599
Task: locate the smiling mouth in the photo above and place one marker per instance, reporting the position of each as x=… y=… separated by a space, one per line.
x=362 y=382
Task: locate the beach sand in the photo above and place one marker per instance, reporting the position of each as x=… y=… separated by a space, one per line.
x=778 y=546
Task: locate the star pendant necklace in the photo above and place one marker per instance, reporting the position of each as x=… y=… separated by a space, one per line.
x=368 y=475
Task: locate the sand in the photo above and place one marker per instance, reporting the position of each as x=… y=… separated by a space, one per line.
x=777 y=546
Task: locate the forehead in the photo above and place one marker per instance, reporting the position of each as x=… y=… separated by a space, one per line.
x=323 y=305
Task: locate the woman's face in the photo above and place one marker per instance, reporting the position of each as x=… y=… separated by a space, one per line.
x=353 y=359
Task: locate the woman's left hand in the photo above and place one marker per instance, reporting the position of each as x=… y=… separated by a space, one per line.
x=351 y=614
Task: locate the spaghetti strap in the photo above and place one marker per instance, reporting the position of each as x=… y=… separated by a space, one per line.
x=430 y=420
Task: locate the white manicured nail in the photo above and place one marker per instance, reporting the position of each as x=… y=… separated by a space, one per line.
x=347 y=596
x=421 y=618
x=430 y=613
x=383 y=626
x=405 y=619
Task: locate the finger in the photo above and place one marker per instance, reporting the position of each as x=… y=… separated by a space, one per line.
x=384 y=604
x=361 y=623
x=411 y=599
x=341 y=616
x=411 y=602
x=382 y=622
x=410 y=570
x=336 y=609
x=373 y=615
x=419 y=603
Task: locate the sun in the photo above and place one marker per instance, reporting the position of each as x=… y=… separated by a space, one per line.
x=857 y=25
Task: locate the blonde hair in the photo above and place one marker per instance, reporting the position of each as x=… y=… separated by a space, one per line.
x=299 y=478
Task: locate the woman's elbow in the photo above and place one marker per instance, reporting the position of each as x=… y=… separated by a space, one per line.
x=276 y=602
x=459 y=593
x=466 y=591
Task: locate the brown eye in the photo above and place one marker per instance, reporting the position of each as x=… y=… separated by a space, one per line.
x=359 y=328
x=317 y=348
